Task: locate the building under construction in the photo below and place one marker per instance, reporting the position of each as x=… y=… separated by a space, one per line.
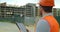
x=26 y=13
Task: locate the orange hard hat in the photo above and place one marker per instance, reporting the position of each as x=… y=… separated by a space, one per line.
x=46 y=2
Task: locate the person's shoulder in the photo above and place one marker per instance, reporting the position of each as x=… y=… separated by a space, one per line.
x=42 y=20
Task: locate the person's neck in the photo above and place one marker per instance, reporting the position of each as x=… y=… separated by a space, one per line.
x=46 y=14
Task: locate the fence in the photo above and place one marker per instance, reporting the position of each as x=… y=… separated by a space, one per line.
x=58 y=19
x=12 y=19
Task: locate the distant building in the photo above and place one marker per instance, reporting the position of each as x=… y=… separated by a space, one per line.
x=3 y=4
x=29 y=11
x=56 y=11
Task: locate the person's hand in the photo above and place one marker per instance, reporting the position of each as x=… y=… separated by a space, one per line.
x=19 y=30
x=27 y=30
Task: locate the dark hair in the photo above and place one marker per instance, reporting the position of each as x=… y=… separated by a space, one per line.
x=47 y=8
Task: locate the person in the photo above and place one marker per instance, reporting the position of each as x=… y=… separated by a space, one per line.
x=47 y=23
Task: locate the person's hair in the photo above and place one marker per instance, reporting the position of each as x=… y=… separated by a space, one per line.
x=47 y=9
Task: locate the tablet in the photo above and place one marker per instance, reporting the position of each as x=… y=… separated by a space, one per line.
x=21 y=27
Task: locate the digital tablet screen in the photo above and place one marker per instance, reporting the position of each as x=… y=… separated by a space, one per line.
x=21 y=27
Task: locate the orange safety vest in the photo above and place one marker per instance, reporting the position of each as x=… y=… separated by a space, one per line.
x=54 y=26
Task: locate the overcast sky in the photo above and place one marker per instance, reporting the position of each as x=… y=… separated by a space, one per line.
x=23 y=2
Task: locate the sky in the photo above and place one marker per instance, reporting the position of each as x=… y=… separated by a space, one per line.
x=23 y=2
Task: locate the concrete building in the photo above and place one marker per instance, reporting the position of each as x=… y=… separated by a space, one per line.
x=56 y=11
x=29 y=11
x=30 y=14
x=3 y=4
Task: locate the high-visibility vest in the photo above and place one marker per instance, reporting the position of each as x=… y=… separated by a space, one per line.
x=54 y=26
